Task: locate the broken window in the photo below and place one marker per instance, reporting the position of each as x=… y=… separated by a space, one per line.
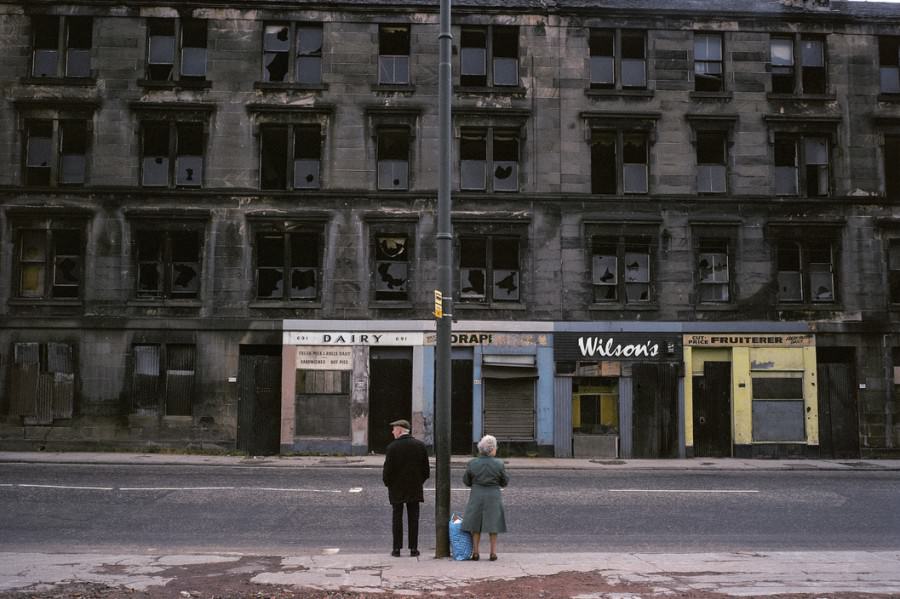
x=303 y=64
x=473 y=57
x=74 y=45
x=619 y=162
x=393 y=159
x=711 y=170
x=287 y=257
x=620 y=269
x=708 y=71
x=42 y=385
x=502 y=44
x=391 y=267
x=55 y=152
x=506 y=161
x=893 y=260
x=49 y=263
x=805 y=272
x=490 y=260
x=812 y=76
x=168 y=264
x=892 y=166
x=889 y=64
x=713 y=276
x=618 y=52
x=160 y=49
x=290 y=156
x=163 y=379
x=393 y=54
x=503 y=147
x=176 y=49
x=813 y=153
x=167 y=144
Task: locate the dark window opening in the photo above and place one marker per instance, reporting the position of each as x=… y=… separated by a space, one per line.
x=55 y=55
x=490 y=261
x=393 y=159
x=603 y=162
x=805 y=272
x=79 y=40
x=894 y=270
x=39 y=153
x=50 y=263
x=634 y=163
x=812 y=60
x=292 y=257
x=391 y=267
x=713 y=276
x=892 y=166
x=473 y=57
x=172 y=153
x=45 y=46
x=472 y=268
x=307 y=156
x=711 y=162
x=634 y=67
x=708 y=71
x=505 y=263
x=155 y=153
x=505 y=161
x=782 y=61
x=473 y=159
x=189 y=157
x=393 y=54
x=193 y=48
x=161 y=49
x=276 y=52
x=602 y=48
x=168 y=264
x=273 y=157
x=506 y=56
x=889 y=64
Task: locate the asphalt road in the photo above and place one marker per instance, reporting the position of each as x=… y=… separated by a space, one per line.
x=101 y=508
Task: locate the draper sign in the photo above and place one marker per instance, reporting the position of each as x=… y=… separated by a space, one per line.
x=352 y=338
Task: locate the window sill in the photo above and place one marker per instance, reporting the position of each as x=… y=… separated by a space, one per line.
x=722 y=307
x=801 y=97
x=282 y=86
x=818 y=307
x=628 y=307
x=624 y=93
x=21 y=301
x=893 y=98
x=281 y=305
x=500 y=90
x=73 y=81
x=725 y=96
x=391 y=305
x=402 y=88
x=167 y=303
x=461 y=305
x=179 y=84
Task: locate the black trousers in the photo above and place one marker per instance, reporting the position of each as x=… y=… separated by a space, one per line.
x=412 y=518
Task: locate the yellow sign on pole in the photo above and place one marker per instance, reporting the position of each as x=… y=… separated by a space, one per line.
x=438 y=304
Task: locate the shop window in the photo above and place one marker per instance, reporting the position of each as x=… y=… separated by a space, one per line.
x=172 y=154
x=892 y=166
x=322 y=403
x=393 y=54
x=713 y=275
x=162 y=379
x=393 y=159
x=889 y=63
x=621 y=269
x=489 y=269
x=391 y=267
x=619 y=162
x=778 y=408
x=711 y=162
x=708 y=71
x=894 y=270
x=502 y=42
x=290 y=156
x=176 y=49
x=805 y=272
x=802 y=165
x=42 y=382
x=303 y=65
x=617 y=52
x=288 y=266
x=49 y=263
x=475 y=146
x=168 y=264
x=785 y=76
x=55 y=152
x=61 y=46
x=595 y=406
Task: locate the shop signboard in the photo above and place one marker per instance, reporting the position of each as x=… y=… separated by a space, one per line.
x=630 y=347
x=750 y=340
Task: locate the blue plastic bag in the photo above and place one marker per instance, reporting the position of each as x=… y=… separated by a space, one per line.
x=460 y=540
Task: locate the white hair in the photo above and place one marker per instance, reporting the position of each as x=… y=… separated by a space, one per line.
x=487 y=445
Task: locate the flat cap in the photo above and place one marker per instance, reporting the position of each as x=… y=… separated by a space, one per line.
x=402 y=423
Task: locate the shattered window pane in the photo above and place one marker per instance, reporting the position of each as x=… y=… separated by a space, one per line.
x=276 y=49
x=472 y=262
x=391 y=268
x=149 y=259
x=269 y=265
x=505 y=266
x=506 y=162
x=185 y=268
x=67 y=263
x=304 y=265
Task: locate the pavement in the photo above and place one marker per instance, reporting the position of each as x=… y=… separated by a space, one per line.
x=739 y=574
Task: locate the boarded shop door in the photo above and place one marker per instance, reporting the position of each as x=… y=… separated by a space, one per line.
x=259 y=406
x=562 y=417
x=509 y=408
x=390 y=393
x=654 y=420
x=712 y=411
x=43 y=382
x=838 y=416
x=461 y=407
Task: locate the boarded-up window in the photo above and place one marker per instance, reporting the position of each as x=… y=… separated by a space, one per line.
x=163 y=378
x=323 y=403
x=778 y=409
x=43 y=382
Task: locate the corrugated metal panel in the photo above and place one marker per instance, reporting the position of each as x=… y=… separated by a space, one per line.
x=43 y=401
x=509 y=409
x=26 y=368
x=61 y=366
x=562 y=417
x=179 y=379
x=145 y=380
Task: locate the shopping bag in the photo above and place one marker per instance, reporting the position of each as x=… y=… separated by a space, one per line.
x=460 y=540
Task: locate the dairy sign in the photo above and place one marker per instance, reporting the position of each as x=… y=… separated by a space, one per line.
x=377 y=338
x=632 y=347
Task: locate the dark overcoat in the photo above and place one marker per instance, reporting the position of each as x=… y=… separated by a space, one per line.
x=405 y=469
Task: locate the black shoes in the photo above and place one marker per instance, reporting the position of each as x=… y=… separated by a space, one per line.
x=395 y=553
x=413 y=553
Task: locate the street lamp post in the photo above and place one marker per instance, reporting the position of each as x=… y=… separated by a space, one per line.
x=444 y=307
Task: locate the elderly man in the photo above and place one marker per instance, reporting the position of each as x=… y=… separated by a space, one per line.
x=405 y=471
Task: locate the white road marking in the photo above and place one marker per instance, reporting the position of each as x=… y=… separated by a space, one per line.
x=355 y=490
x=175 y=488
x=683 y=491
x=66 y=487
x=462 y=489
x=291 y=490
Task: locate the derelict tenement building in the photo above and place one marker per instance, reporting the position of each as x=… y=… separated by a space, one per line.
x=675 y=225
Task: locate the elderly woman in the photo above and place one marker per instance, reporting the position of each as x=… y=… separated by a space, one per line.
x=484 y=512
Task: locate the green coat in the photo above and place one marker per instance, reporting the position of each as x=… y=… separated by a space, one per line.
x=484 y=512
